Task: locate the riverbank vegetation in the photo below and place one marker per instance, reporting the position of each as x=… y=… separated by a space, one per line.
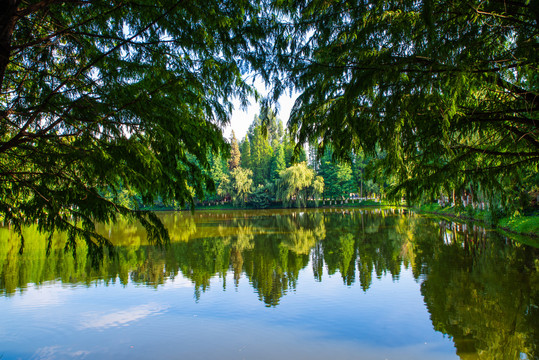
x=526 y=223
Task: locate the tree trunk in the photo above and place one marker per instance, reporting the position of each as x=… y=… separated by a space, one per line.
x=7 y=24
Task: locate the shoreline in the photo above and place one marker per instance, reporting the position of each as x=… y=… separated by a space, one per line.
x=522 y=225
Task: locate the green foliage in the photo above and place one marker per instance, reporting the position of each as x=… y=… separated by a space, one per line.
x=235 y=155
x=115 y=96
x=447 y=90
x=218 y=171
x=521 y=224
x=261 y=154
x=297 y=183
x=246 y=153
x=338 y=181
x=365 y=185
x=278 y=162
x=262 y=196
x=109 y=107
x=237 y=186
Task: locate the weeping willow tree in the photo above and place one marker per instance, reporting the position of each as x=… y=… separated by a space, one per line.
x=447 y=91
x=98 y=96
x=297 y=184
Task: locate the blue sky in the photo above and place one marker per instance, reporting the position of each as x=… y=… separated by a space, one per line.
x=240 y=120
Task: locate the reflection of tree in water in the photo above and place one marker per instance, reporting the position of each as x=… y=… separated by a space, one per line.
x=17 y=271
x=340 y=254
x=272 y=269
x=239 y=242
x=301 y=231
x=481 y=290
x=181 y=227
x=201 y=260
x=484 y=293
x=279 y=253
x=373 y=241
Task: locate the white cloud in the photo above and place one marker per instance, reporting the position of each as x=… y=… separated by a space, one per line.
x=48 y=294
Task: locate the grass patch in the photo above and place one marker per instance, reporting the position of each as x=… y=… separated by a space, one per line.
x=434 y=207
x=525 y=224
x=528 y=224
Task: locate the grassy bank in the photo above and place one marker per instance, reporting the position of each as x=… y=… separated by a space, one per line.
x=524 y=224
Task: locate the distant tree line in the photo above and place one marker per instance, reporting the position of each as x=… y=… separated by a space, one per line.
x=266 y=169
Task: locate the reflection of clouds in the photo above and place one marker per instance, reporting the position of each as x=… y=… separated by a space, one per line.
x=47 y=294
x=178 y=282
x=121 y=318
x=53 y=352
x=47 y=352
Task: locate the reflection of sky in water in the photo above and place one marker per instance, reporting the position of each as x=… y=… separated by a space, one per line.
x=278 y=307
x=54 y=352
x=42 y=296
x=121 y=317
x=317 y=320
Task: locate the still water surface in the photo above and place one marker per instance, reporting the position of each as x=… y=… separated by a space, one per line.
x=318 y=284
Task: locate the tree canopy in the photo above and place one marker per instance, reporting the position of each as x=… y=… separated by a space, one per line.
x=97 y=96
x=448 y=89
x=235 y=155
x=298 y=183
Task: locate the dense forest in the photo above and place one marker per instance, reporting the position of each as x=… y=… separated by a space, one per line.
x=264 y=169
x=103 y=99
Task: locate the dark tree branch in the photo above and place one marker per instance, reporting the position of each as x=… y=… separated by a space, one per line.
x=14 y=141
x=498 y=153
x=524 y=135
x=7 y=25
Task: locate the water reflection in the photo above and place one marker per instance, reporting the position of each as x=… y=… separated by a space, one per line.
x=488 y=302
x=121 y=317
x=481 y=289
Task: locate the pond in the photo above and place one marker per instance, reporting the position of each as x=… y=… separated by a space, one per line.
x=284 y=284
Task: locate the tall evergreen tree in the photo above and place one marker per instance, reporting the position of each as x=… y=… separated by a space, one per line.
x=278 y=163
x=338 y=180
x=218 y=171
x=280 y=131
x=245 y=153
x=261 y=154
x=235 y=155
x=270 y=124
x=293 y=153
